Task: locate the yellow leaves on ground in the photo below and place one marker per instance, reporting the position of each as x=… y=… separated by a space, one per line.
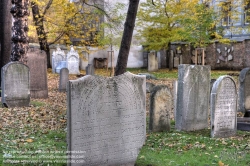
x=29 y=140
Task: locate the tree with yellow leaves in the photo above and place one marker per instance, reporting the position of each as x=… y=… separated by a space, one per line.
x=63 y=21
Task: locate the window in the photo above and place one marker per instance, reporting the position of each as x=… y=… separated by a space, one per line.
x=226 y=10
x=247 y=12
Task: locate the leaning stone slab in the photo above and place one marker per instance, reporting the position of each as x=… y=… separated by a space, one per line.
x=37 y=62
x=244 y=90
x=223 y=106
x=160 y=109
x=149 y=87
x=15 y=85
x=106 y=119
x=193 y=93
x=148 y=76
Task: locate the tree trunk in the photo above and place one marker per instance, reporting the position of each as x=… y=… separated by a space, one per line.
x=20 y=28
x=127 y=37
x=42 y=37
x=5 y=32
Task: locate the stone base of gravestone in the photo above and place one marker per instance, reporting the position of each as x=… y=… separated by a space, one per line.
x=193 y=94
x=160 y=109
x=37 y=63
x=63 y=80
x=106 y=119
x=90 y=70
x=223 y=105
x=15 y=85
x=243 y=124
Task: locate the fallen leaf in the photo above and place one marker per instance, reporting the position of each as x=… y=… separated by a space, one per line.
x=29 y=140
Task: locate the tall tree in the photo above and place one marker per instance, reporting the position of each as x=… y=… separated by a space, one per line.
x=38 y=22
x=5 y=32
x=129 y=25
x=20 y=28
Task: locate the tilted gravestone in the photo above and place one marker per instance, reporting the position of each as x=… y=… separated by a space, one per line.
x=244 y=90
x=73 y=61
x=193 y=94
x=223 y=105
x=15 y=85
x=152 y=62
x=160 y=108
x=106 y=119
x=57 y=57
x=37 y=62
x=63 y=80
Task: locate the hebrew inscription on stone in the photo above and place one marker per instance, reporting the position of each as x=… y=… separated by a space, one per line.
x=106 y=119
x=15 y=85
x=223 y=107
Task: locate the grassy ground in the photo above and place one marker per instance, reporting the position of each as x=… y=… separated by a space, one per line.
x=37 y=133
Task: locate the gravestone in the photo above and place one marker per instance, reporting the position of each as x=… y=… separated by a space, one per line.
x=160 y=108
x=244 y=90
x=63 y=80
x=15 y=85
x=73 y=61
x=37 y=62
x=90 y=70
x=192 y=97
x=57 y=57
x=106 y=119
x=60 y=65
x=176 y=62
x=223 y=106
x=152 y=62
x=171 y=60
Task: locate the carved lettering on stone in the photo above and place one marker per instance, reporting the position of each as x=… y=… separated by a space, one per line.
x=15 y=85
x=106 y=118
x=223 y=107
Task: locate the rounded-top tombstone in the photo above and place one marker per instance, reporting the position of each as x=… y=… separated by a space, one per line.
x=223 y=107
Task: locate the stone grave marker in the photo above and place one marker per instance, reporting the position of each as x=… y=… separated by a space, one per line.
x=106 y=119
x=57 y=57
x=160 y=108
x=193 y=94
x=37 y=62
x=244 y=90
x=171 y=60
x=90 y=70
x=223 y=106
x=63 y=80
x=15 y=85
x=176 y=62
x=73 y=61
x=152 y=62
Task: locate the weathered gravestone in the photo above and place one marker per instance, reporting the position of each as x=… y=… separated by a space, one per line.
x=223 y=106
x=90 y=70
x=106 y=119
x=160 y=108
x=244 y=90
x=63 y=80
x=176 y=62
x=73 y=61
x=152 y=62
x=192 y=97
x=37 y=62
x=57 y=57
x=15 y=85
